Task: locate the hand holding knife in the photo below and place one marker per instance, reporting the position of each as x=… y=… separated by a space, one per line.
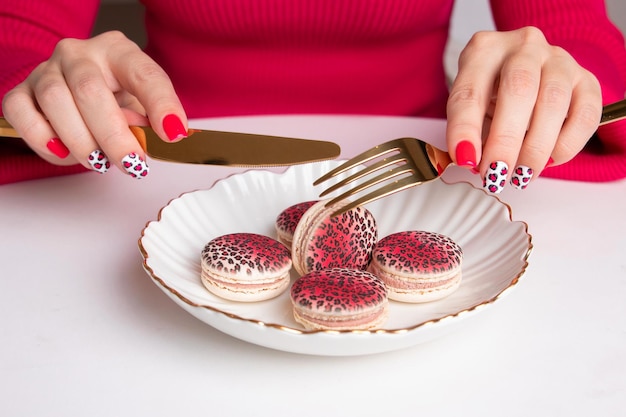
x=212 y=147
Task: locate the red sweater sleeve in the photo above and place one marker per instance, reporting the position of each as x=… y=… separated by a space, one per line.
x=29 y=31
x=583 y=28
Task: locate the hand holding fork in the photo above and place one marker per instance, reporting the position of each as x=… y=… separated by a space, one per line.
x=406 y=162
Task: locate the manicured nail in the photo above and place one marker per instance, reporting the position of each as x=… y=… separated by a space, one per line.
x=521 y=177
x=549 y=163
x=58 y=148
x=173 y=127
x=465 y=154
x=495 y=177
x=98 y=161
x=135 y=165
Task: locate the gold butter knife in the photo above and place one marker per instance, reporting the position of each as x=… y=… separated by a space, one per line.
x=212 y=147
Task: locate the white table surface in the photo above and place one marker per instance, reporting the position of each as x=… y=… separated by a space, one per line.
x=85 y=332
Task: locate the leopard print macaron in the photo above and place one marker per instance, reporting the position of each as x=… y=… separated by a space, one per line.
x=418 y=266
x=245 y=267
x=344 y=241
x=288 y=219
x=339 y=299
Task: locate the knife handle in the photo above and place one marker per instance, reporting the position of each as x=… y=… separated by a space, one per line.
x=140 y=135
x=7 y=131
x=613 y=112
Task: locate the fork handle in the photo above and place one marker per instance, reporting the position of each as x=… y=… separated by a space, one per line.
x=613 y=112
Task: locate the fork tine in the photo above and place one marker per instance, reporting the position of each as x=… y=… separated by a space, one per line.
x=381 y=192
x=368 y=155
x=414 y=157
x=392 y=173
x=364 y=172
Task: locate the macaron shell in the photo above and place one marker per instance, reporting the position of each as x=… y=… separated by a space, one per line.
x=417 y=290
x=340 y=299
x=249 y=292
x=343 y=241
x=420 y=253
x=246 y=256
x=354 y=324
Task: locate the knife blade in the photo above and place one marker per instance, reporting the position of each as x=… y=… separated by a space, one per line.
x=212 y=147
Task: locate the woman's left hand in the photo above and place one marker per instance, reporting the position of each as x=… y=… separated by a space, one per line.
x=517 y=105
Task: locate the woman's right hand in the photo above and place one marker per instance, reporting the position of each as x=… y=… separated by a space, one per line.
x=77 y=105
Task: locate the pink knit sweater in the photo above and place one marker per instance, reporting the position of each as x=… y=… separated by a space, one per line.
x=384 y=57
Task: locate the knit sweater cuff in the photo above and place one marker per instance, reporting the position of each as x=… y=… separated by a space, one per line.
x=23 y=165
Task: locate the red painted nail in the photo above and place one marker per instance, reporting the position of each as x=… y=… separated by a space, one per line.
x=58 y=148
x=549 y=163
x=173 y=127
x=465 y=154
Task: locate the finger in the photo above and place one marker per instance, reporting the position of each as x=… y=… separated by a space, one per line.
x=96 y=120
x=438 y=158
x=469 y=99
x=133 y=110
x=61 y=115
x=551 y=108
x=33 y=127
x=582 y=120
x=134 y=118
x=517 y=94
x=146 y=80
x=57 y=105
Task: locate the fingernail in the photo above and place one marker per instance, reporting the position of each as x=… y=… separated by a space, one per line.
x=135 y=165
x=521 y=177
x=465 y=154
x=549 y=163
x=495 y=177
x=173 y=127
x=98 y=161
x=58 y=148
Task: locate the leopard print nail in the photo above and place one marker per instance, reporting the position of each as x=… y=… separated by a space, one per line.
x=135 y=166
x=495 y=177
x=99 y=161
x=521 y=177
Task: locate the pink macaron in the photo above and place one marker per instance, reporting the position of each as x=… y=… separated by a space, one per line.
x=288 y=219
x=245 y=267
x=344 y=241
x=339 y=299
x=418 y=266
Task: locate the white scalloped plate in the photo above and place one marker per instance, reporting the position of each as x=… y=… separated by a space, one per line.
x=496 y=251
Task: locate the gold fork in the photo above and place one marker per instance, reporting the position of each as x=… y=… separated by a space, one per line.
x=410 y=161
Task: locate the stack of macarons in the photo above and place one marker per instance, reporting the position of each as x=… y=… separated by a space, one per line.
x=345 y=274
